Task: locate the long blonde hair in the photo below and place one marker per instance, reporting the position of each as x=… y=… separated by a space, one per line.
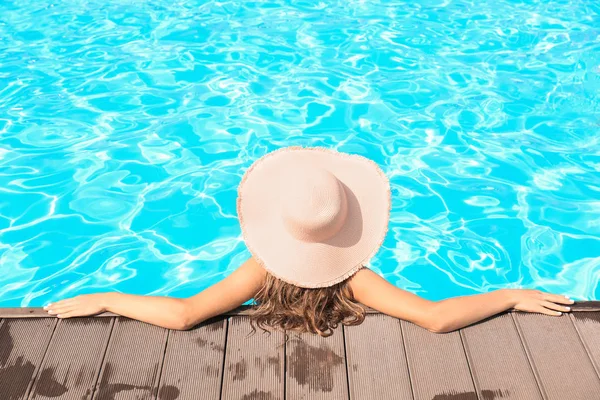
x=279 y=304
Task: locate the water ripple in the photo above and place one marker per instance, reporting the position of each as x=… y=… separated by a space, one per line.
x=125 y=129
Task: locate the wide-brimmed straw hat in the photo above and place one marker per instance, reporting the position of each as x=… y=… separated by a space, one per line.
x=313 y=216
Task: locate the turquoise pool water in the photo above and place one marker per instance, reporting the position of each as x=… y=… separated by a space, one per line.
x=125 y=128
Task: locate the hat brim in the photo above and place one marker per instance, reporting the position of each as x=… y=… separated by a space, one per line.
x=321 y=264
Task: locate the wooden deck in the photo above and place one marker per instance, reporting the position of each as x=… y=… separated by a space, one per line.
x=512 y=355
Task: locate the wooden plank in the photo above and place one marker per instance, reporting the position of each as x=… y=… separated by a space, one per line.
x=498 y=362
x=376 y=359
x=132 y=363
x=23 y=343
x=437 y=364
x=588 y=326
x=193 y=362
x=73 y=359
x=254 y=365
x=316 y=366
x=560 y=361
x=26 y=312
x=38 y=312
x=585 y=306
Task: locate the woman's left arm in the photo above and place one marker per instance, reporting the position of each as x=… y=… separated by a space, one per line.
x=170 y=312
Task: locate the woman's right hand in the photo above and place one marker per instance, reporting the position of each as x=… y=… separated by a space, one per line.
x=539 y=302
x=79 y=306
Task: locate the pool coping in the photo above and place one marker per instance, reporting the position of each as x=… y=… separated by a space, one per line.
x=39 y=312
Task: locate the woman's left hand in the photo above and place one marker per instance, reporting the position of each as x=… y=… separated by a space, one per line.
x=78 y=306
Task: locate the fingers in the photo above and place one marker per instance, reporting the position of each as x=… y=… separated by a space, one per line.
x=69 y=314
x=547 y=311
x=556 y=307
x=61 y=307
x=60 y=310
x=78 y=306
x=556 y=298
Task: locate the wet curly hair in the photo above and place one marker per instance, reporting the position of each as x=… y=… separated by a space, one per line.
x=281 y=305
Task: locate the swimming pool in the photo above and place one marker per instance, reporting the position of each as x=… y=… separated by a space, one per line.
x=125 y=128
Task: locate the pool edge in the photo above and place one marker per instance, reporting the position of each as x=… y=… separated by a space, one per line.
x=39 y=312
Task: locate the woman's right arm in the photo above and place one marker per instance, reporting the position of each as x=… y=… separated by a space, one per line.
x=170 y=312
x=450 y=314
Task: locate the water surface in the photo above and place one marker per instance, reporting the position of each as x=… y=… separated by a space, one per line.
x=125 y=128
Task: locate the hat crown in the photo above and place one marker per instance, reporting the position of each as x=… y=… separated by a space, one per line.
x=314 y=204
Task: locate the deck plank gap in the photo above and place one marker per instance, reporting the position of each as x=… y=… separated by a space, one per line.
x=346 y=360
x=408 y=366
x=101 y=368
x=159 y=375
x=529 y=357
x=224 y=356
x=585 y=346
x=29 y=392
x=465 y=346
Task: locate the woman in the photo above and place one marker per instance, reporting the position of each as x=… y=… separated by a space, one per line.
x=312 y=218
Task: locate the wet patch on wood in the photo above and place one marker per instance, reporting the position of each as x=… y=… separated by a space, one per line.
x=239 y=370
x=271 y=362
x=15 y=378
x=15 y=375
x=259 y=395
x=494 y=394
x=275 y=362
x=168 y=392
x=485 y=395
x=456 y=396
x=48 y=386
x=6 y=343
x=81 y=375
x=110 y=390
x=201 y=342
x=314 y=365
x=211 y=371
